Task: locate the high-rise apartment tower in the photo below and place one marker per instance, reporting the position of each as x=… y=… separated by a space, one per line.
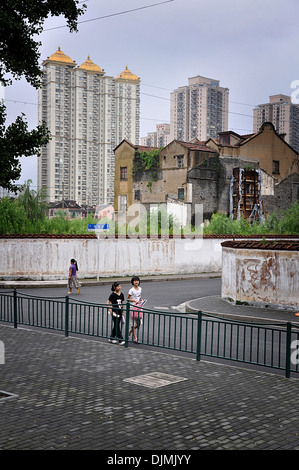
x=199 y=110
x=88 y=114
x=160 y=138
x=283 y=114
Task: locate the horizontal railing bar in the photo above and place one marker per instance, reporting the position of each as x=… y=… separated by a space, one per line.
x=39 y=297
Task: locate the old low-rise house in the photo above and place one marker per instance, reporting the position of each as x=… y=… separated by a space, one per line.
x=125 y=189
x=104 y=211
x=274 y=154
x=246 y=176
x=67 y=206
x=170 y=181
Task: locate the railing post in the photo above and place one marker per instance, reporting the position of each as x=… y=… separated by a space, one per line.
x=199 y=325
x=288 y=350
x=66 y=321
x=15 y=308
x=127 y=324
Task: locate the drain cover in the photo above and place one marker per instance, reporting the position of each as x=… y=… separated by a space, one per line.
x=155 y=380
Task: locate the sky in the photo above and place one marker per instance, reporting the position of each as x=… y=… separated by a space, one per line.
x=250 y=46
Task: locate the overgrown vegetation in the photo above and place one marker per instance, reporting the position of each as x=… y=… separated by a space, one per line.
x=27 y=214
x=146 y=162
x=286 y=223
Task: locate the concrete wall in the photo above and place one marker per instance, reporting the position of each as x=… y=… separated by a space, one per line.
x=261 y=277
x=48 y=258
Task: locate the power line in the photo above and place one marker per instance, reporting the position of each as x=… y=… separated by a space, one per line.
x=168 y=89
x=134 y=99
x=113 y=14
x=169 y=99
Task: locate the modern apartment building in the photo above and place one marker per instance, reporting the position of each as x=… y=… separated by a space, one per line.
x=199 y=110
x=88 y=114
x=159 y=138
x=283 y=114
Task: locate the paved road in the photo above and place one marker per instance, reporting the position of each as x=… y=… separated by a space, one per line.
x=159 y=294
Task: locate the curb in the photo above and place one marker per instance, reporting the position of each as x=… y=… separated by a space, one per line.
x=234 y=316
x=106 y=281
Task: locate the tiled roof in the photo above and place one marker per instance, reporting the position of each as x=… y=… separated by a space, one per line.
x=141 y=148
x=197 y=146
x=285 y=245
x=67 y=204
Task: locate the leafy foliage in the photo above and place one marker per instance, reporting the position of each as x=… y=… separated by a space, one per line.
x=146 y=162
x=21 y=21
x=287 y=223
x=17 y=141
x=27 y=215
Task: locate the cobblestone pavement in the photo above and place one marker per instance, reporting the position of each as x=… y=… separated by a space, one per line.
x=73 y=394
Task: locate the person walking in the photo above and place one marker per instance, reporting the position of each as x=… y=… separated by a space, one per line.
x=116 y=300
x=134 y=296
x=73 y=280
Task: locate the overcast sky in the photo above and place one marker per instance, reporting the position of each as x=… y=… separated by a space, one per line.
x=250 y=46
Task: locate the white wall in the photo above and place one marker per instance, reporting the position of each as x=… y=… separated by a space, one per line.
x=48 y=258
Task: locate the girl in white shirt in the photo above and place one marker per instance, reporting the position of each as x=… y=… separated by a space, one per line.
x=134 y=296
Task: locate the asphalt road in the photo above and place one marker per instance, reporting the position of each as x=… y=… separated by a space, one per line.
x=167 y=296
x=164 y=295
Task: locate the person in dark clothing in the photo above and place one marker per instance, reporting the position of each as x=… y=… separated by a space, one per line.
x=116 y=300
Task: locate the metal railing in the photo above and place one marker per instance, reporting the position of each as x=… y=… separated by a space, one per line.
x=275 y=346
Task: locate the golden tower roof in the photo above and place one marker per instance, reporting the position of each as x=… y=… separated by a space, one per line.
x=60 y=56
x=90 y=66
x=127 y=75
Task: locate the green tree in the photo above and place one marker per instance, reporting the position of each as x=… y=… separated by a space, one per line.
x=33 y=203
x=21 y=22
x=290 y=219
x=17 y=141
x=25 y=214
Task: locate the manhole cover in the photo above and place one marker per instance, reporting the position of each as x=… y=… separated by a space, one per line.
x=155 y=380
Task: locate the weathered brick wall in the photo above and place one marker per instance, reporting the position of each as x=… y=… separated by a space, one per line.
x=211 y=183
x=285 y=194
